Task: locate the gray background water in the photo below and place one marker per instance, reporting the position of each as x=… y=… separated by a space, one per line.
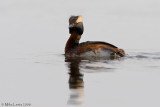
x=33 y=70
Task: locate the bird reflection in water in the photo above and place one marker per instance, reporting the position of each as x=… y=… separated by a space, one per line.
x=76 y=83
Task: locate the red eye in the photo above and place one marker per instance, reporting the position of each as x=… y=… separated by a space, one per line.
x=75 y=23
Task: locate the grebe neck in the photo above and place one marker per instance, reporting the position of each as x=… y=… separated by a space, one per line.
x=72 y=42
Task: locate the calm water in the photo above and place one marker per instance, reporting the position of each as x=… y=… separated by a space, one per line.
x=34 y=70
x=49 y=79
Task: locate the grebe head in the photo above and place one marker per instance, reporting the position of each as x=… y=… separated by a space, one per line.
x=76 y=25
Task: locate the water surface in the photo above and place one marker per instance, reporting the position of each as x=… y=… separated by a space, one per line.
x=130 y=81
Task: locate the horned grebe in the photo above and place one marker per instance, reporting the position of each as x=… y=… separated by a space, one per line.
x=90 y=48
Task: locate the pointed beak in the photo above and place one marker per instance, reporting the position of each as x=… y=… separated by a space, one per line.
x=70 y=26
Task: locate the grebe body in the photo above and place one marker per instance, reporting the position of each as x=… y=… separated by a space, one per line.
x=90 y=48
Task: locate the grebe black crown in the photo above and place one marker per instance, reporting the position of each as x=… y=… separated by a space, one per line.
x=76 y=25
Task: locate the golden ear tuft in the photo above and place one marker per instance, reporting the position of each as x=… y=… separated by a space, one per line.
x=80 y=19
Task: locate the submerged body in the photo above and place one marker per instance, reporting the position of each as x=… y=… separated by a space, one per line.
x=95 y=49
x=90 y=48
